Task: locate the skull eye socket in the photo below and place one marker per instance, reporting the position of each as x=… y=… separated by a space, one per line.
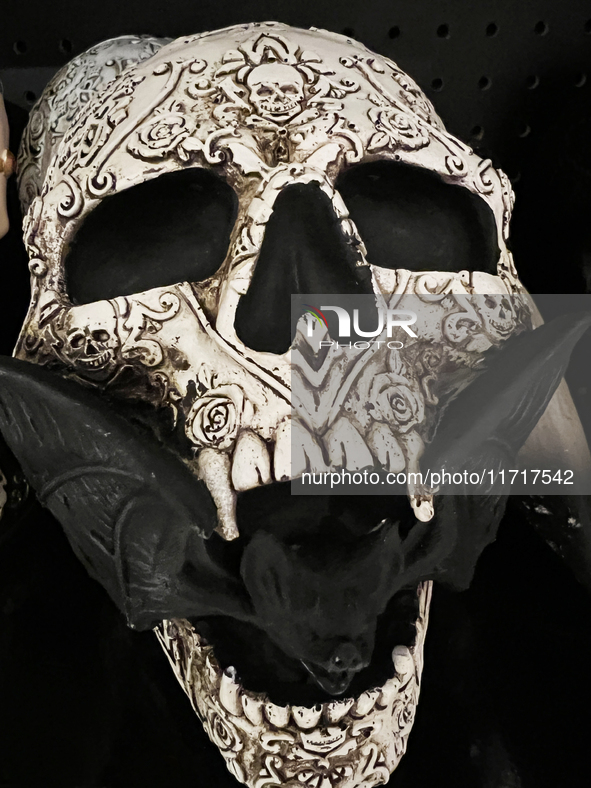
x=174 y=228
x=289 y=89
x=76 y=340
x=408 y=217
x=100 y=335
x=264 y=91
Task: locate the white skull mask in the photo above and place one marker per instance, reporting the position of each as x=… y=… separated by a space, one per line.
x=197 y=106
x=273 y=113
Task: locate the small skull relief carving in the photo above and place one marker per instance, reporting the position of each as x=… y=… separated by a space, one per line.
x=91 y=345
x=498 y=315
x=276 y=91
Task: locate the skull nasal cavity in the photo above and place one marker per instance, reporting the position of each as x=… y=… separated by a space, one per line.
x=304 y=251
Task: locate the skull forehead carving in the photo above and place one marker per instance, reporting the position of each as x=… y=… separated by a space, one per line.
x=276 y=90
x=267 y=108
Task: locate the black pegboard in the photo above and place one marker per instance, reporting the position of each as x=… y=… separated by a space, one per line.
x=488 y=66
x=507 y=688
x=513 y=79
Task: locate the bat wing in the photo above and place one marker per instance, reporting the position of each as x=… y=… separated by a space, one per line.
x=490 y=420
x=483 y=429
x=133 y=512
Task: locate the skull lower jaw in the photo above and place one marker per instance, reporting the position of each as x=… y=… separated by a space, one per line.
x=351 y=741
x=260 y=707
x=99 y=367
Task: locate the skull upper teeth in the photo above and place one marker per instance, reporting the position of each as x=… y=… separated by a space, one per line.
x=251 y=464
x=294 y=451
x=98 y=361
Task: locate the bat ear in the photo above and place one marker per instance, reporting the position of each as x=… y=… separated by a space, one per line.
x=486 y=425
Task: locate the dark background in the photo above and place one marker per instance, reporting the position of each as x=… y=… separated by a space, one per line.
x=506 y=697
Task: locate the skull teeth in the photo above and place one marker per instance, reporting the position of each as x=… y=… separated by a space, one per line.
x=277 y=715
x=503 y=328
x=403 y=661
x=251 y=464
x=279 y=108
x=366 y=702
x=240 y=701
x=253 y=708
x=337 y=709
x=296 y=451
x=230 y=692
x=96 y=362
x=305 y=718
x=282 y=453
x=423 y=507
x=214 y=468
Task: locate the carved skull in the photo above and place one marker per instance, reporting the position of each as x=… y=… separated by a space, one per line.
x=160 y=222
x=276 y=91
x=92 y=346
x=499 y=315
